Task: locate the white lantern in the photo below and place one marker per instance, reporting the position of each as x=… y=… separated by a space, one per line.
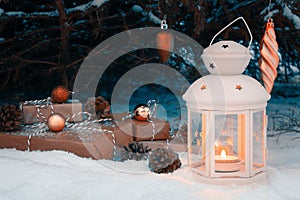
x=227 y=116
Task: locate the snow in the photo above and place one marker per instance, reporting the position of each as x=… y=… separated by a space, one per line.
x=98 y=3
x=61 y=175
x=54 y=13
x=154 y=18
x=151 y=16
x=86 y=6
x=271 y=14
x=23 y=14
x=83 y=8
x=291 y=16
x=287 y=12
x=137 y=9
x=188 y=55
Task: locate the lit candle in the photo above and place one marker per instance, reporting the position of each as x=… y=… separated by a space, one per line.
x=226 y=163
x=223 y=154
x=223 y=158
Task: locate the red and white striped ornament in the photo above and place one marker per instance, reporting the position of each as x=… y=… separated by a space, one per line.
x=269 y=58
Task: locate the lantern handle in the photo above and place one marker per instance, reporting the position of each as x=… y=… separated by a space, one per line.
x=230 y=25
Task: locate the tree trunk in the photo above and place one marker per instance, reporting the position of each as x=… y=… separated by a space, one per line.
x=64 y=34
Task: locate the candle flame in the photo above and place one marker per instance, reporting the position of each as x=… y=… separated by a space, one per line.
x=223 y=154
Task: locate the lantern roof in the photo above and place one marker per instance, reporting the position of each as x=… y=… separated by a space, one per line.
x=226 y=58
x=233 y=92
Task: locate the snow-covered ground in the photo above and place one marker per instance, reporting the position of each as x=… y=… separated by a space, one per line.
x=61 y=175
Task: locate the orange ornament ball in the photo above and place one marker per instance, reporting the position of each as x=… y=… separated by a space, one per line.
x=60 y=94
x=56 y=122
x=141 y=112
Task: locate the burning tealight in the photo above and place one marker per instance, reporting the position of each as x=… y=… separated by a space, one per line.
x=223 y=155
x=226 y=163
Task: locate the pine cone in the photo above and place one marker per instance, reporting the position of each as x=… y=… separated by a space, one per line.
x=10 y=118
x=164 y=160
x=98 y=107
x=135 y=151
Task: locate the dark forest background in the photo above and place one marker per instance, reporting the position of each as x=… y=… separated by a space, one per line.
x=44 y=42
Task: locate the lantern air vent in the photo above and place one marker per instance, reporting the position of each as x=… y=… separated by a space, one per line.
x=239 y=87
x=225 y=46
x=203 y=87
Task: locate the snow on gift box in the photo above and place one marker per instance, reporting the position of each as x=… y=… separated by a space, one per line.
x=227 y=117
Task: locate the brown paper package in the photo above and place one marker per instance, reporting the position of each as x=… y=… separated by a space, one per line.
x=66 y=109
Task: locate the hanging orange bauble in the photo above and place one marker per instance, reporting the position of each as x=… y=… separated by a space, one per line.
x=164 y=42
x=56 y=122
x=60 y=94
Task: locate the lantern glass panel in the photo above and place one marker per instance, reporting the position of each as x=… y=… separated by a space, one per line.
x=229 y=143
x=198 y=140
x=258 y=139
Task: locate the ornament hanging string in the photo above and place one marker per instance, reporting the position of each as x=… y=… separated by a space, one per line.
x=269 y=7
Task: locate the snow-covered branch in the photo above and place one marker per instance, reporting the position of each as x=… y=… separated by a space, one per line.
x=290 y=15
x=150 y=15
x=82 y=8
x=287 y=12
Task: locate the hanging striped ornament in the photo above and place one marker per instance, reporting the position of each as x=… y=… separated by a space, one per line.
x=269 y=59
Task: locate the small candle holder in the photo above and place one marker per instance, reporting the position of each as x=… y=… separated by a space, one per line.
x=225 y=159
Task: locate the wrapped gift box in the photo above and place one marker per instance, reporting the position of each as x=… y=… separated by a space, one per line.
x=13 y=141
x=143 y=130
x=66 y=109
x=96 y=145
x=122 y=137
